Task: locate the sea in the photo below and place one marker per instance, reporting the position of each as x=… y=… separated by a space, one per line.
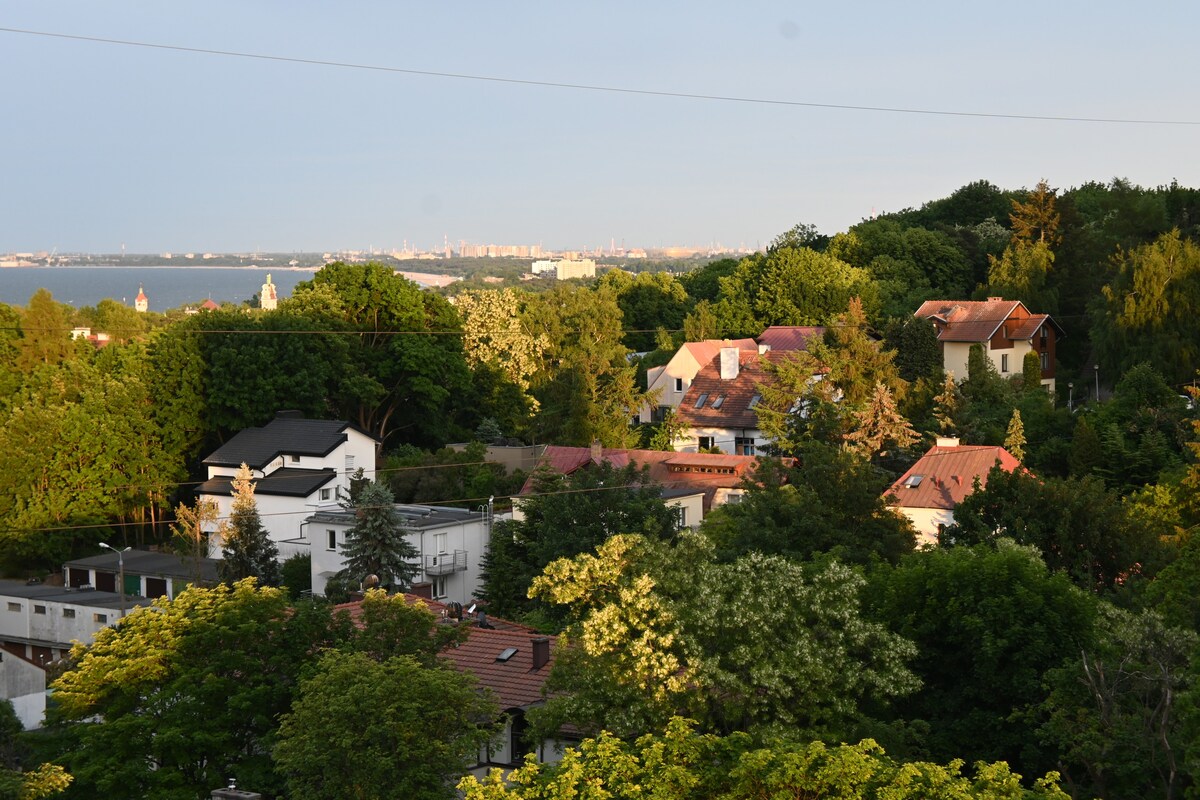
x=166 y=287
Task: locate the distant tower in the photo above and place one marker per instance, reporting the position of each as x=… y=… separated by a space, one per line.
x=141 y=302
x=267 y=299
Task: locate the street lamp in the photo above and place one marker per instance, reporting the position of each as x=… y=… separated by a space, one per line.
x=1096 y=369
x=121 y=568
x=1070 y=397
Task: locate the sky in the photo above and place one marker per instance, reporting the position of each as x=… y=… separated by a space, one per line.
x=163 y=150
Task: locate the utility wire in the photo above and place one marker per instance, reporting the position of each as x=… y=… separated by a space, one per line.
x=596 y=87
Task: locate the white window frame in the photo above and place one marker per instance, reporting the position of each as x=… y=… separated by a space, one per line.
x=1004 y=362
x=326 y=494
x=439 y=586
x=679 y=384
x=331 y=540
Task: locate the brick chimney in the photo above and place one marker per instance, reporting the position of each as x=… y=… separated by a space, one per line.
x=541 y=652
x=946 y=441
x=729 y=363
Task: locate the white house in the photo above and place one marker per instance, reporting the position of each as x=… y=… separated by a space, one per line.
x=941 y=479
x=450 y=544
x=1006 y=329
x=672 y=380
x=298 y=464
x=23 y=684
x=719 y=408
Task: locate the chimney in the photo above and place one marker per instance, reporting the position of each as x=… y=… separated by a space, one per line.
x=231 y=792
x=541 y=652
x=995 y=299
x=946 y=441
x=290 y=413
x=729 y=363
x=597 y=450
x=762 y=348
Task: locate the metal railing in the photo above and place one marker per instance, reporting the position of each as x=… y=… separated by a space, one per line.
x=446 y=563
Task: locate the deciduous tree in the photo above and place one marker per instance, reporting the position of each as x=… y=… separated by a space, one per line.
x=247 y=550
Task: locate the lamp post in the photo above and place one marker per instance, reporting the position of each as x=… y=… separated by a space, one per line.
x=1070 y=397
x=1096 y=369
x=121 y=569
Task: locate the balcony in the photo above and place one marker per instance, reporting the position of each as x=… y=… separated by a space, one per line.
x=446 y=563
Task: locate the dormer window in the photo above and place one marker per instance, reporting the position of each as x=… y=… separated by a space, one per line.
x=719 y=401
x=294 y=459
x=701 y=400
x=754 y=401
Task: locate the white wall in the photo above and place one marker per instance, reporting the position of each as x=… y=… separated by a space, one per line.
x=24 y=684
x=926 y=522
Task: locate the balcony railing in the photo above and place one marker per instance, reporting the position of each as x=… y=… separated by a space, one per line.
x=446 y=563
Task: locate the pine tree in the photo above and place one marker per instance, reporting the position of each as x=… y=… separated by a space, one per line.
x=377 y=544
x=1031 y=373
x=1014 y=441
x=248 y=551
x=880 y=426
x=947 y=404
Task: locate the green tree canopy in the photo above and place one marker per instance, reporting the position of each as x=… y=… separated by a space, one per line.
x=378 y=543
x=247 y=550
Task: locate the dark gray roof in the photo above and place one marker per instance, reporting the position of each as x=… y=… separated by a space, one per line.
x=285 y=482
x=295 y=436
x=412 y=517
x=60 y=594
x=156 y=565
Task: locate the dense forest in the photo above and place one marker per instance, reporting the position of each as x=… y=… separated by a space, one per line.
x=1055 y=629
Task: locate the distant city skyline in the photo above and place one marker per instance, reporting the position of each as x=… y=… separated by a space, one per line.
x=540 y=124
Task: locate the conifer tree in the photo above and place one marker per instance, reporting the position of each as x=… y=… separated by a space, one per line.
x=880 y=426
x=1014 y=441
x=947 y=404
x=248 y=551
x=377 y=544
x=1031 y=373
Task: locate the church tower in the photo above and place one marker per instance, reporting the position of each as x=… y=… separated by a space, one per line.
x=141 y=302
x=267 y=299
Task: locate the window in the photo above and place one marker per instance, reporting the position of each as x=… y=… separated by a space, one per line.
x=294 y=459
x=720 y=401
x=439 y=543
x=734 y=498
x=1045 y=334
x=439 y=587
x=68 y=613
x=1004 y=363
x=14 y=606
x=1045 y=361
x=326 y=494
x=704 y=442
x=679 y=384
x=701 y=399
x=100 y=618
x=914 y=481
x=754 y=401
x=681 y=516
x=349 y=464
x=331 y=540
x=744 y=446
x=39 y=609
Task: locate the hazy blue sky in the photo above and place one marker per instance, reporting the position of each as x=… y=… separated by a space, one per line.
x=165 y=150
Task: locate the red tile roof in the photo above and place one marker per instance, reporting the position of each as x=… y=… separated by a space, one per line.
x=514 y=681
x=734 y=410
x=790 y=337
x=703 y=472
x=968 y=320
x=708 y=349
x=944 y=476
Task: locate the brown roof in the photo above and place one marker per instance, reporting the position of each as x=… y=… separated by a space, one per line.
x=1025 y=329
x=968 y=320
x=790 y=337
x=733 y=409
x=513 y=680
x=701 y=472
x=944 y=476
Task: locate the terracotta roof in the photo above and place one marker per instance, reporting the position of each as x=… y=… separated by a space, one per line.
x=209 y=305
x=944 y=476
x=675 y=472
x=790 y=337
x=514 y=681
x=708 y=349
x=726 y=402
x=1022 y=330
x=968 y=320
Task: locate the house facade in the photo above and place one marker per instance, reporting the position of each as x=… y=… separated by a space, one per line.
x=39 y=622
x=1006 y=329
x=718 y=411
x=147 y=574
x=450 y=544
x=672 y=380
x=941 y=479
x=298 y=466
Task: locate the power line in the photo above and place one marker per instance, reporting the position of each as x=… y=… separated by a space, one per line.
x=596 y=87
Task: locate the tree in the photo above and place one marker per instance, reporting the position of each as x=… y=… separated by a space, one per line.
x=295 y=575
x=186 y=694
x=15 y=784
x=370 y=730
x=378 y=544
x=648 y=300
x=248 y=551
x=1114 y=709
x=1031 y=373
x=1036 y=218
x=493 y=333
x=914 y=340
x=946 y=405
x=879 y=426
x=662 y=628
x=1079 y=527
x=564 y=516
x=1022 y=273
x=680 y=763
x=1014 y=439
x=191 y=530
x=827 y=501
x=45 y=334
x=702 y=323
x=988 y=622
x=802 y=234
